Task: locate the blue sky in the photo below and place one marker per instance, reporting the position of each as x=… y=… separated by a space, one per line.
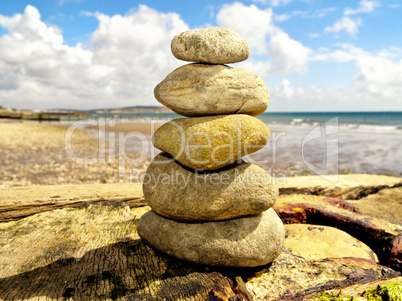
x=313 y=55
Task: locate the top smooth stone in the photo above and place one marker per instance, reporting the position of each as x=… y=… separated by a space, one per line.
x=212 y=45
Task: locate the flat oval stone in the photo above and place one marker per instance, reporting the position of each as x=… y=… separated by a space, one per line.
x=212 y=45
x=316 y=242
x=174 y=191
x=212 y=142
x=242 y=242
x=201 y=90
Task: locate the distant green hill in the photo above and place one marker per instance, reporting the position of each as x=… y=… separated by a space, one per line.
x=132 y=110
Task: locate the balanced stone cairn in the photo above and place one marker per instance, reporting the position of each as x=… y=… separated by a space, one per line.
x=209 y=206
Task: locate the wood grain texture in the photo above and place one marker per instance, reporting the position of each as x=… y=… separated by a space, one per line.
x=86 y=247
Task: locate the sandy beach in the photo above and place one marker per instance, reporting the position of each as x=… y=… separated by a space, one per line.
x=126 y=128
x=36 y=154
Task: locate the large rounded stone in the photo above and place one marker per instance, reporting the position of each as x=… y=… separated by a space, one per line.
x=200 y=90
x=316 y=242
x=213 y=45
x=209 y=143
x=177 y=192
x=242 y=242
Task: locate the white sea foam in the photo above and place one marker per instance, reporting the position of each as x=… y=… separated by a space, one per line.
x=376 y=128
x=369 y=149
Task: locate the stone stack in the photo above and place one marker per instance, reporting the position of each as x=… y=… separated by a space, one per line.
x=208 y=205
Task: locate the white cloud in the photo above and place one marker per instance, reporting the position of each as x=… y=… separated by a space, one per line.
x=345 y=53
x=62 y=2
x=250 y=22
x=345 y=24
x=273 y=2
x=261 y=68
x=349 y=25
x=281 y=18
x=284 y=90
x=27 y=27
x=135 y=49
x=356 y=96
x=365 y=6
x=288 y=96
x=279 y=2
x=288 y=54
x=130 y=55
x=256 y=25
x=33 y=54
x=379 y=76
x=320 y=13
x=313 y=35
x=210 y=9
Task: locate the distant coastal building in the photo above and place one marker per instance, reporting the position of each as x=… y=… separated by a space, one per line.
x=48 y=115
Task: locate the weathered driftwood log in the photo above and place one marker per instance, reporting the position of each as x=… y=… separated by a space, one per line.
x=86 y=247
x=20 y=202
x=95 y=253
x=368 y=207
x=380 y=235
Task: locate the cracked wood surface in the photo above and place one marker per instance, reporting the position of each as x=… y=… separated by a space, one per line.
x=79 y=242
x=94 y=253
x=19 y=202
x=351 y=187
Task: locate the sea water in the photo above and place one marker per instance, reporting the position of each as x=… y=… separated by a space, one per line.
x=333 y=142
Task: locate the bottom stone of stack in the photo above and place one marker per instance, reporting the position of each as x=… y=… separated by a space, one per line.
x=241 y=242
